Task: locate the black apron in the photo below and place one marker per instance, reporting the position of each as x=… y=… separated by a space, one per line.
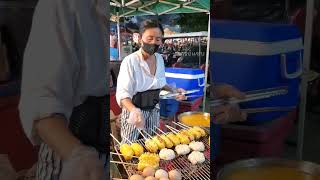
x=146 y=100
x=89 y=123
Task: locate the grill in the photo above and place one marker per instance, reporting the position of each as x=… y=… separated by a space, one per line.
x=180 y=163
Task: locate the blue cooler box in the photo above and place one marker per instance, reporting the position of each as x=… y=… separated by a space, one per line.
x=168 y=107
x=252 y=56
x=188 y=79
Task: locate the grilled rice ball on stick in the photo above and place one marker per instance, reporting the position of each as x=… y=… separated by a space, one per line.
x=126 y=151
x=174 y=138
x=151 y=146
x=137 y=149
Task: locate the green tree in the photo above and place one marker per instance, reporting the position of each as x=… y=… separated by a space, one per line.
x=193 y=22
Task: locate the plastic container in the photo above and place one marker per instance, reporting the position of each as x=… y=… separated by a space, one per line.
x=253 y=56
x=188 y=79
x=168 y=107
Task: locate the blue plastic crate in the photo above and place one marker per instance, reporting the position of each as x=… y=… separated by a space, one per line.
x=168 y=107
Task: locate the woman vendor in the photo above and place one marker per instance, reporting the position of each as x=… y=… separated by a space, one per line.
x=141 y=77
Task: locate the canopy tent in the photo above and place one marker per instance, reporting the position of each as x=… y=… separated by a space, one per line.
x=185 y=35
x=127 y=8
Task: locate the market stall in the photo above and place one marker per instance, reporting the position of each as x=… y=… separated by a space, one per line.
x=167 y=149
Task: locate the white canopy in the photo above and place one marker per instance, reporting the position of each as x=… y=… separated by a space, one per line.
x=192 y=34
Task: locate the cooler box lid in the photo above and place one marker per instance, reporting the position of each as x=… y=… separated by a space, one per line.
x=184 y=73
x=254 y=38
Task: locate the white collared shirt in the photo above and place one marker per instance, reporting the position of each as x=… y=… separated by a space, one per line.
x=64 y=61
x=134 y=76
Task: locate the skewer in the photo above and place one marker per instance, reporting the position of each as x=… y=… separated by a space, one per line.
x=121 y=154
x=159 y=130
x=115 y=139
x=172 y=129
x=148 y=135
x=155 y=132
x=142 y=135
x=118 y=162
x=127 y=140
x=180 y=125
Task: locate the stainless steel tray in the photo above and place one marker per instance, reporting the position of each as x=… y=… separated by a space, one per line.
x=302 y=166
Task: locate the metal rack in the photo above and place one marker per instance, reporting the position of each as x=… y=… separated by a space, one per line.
x=180 y=163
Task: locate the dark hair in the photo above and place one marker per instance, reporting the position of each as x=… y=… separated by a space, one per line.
x=150 y=23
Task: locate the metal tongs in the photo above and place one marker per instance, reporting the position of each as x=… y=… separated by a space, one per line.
x=173 y=95
x=269 y=109
x=252 y=95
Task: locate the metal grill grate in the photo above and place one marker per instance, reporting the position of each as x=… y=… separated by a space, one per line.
x=180 y=163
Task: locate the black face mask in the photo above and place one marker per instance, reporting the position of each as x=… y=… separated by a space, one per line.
x=150 y=48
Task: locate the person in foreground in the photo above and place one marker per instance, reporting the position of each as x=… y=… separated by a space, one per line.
x=64 y=89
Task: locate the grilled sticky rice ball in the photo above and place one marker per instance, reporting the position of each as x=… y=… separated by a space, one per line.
x=188 y=134
x=160 y=142
x=167 y=154
x=174 y=139
x=184 y=139
x=148 y=171
x=148 y=160
x=182 y=149
x=137 y=149
x=150 y=178
x=126 y=151
x=202 y=131
x=175 y=175
x=160 y=173
x=197 y=146
x=151 y=146
x=136 y=177
x=196 y=157
x=149 y=156
x=144 y=164
x=167 y=141
x=196 y=134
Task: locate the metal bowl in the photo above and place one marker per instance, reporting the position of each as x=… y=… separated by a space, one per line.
x=193 y=113
x=301 y=166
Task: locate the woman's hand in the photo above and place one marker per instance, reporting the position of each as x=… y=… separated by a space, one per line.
x=83 y=164
x=136 y=118
x=181 y=97
x=75 y=156
x=227 y=91
x=228 y=113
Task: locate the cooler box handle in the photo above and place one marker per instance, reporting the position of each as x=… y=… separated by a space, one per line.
x=284 y=68
x=199 y=82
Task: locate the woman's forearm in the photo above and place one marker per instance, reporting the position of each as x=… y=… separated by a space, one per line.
x=54 y=132
x=167 y=88
x=127 y=103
